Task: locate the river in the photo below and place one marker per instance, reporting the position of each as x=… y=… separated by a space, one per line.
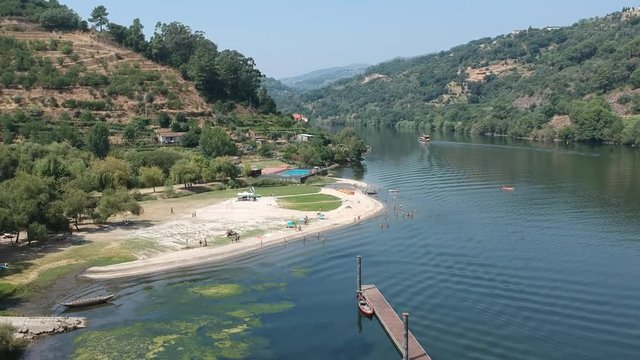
x=549 y=270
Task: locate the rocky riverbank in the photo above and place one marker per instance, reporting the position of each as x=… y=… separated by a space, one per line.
x=30 y=328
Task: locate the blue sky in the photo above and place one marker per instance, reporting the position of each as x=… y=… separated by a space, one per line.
x=288 y=38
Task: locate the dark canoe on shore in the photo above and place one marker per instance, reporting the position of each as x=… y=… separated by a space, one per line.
x=88 y=301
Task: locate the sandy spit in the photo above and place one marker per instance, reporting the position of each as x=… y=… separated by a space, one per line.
x=263 y=214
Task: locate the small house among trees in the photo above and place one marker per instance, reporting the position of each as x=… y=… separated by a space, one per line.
x=303 y=137
x=169 y=138
x=299 y=118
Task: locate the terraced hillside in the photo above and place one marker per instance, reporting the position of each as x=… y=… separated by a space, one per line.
x=81 y=71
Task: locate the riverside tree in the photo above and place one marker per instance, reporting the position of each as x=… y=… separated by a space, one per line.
x=185 y=171
x=151 y=176
x=116 y=201
x=76 y=203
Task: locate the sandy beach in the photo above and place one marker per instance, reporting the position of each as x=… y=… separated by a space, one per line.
x=179 y=237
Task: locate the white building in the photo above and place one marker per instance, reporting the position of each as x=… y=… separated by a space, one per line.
x=303 y=137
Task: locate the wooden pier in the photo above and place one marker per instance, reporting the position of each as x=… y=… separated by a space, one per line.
x=392 y=323
x=397 y=329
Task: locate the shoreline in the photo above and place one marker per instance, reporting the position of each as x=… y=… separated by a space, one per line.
x=354 y=208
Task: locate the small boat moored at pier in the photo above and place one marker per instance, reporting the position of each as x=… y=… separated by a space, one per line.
x=365 y=308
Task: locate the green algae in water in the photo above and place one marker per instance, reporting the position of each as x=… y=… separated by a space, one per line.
x=268 y=286
x=233 y=349
x=299 y=271
x=218 y=291
x=235 y=330
x=141 y=340
x=229 y=346
x=250 y=310
x=224 y=337
x=158 y=345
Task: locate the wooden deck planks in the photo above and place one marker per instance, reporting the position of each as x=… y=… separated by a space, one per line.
x=392 y=323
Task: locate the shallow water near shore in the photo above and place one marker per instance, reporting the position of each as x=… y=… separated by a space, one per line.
x=548 y=270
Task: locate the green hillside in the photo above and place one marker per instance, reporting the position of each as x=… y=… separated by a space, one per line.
x=281 y=94
x=87 y=115
x=575 y=83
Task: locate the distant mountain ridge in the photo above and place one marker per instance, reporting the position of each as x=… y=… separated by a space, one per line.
x=323 y=77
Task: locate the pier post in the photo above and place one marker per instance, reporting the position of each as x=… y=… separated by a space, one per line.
x=405 y=319
x=359 y=274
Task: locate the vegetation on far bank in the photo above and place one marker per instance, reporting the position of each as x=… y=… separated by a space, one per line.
x=574 y=83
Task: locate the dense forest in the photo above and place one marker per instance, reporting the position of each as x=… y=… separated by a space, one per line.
x=66 y=157
x=575 y=83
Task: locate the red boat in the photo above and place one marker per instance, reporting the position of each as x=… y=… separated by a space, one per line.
x=365 y=308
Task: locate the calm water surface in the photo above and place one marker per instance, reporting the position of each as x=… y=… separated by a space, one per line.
x=548 y=271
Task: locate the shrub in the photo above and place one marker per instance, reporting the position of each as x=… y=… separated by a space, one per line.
x=66 y=49
x=98 y=105
x=137 y=195
x=10 y=347
x=181 y=117
x=94 y=79
x=624 y=99
x=163 y=119
x=54 y=43
x=174 y=104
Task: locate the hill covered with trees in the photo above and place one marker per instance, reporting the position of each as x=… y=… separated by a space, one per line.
x=82 y=111
x=575 y=83
x=323 y=77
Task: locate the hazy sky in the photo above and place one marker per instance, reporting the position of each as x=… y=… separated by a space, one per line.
x=287 y=37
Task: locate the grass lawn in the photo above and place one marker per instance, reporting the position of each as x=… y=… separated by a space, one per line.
x=288 y=190
x=314 y=202
x=320 y=180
